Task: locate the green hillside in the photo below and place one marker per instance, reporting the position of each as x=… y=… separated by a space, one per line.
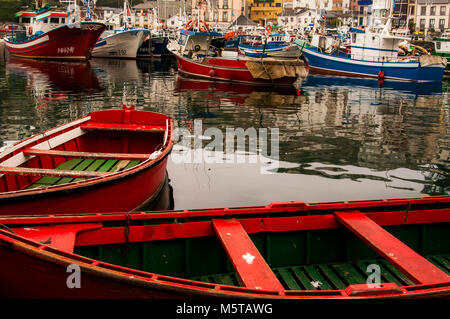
x=9 y=7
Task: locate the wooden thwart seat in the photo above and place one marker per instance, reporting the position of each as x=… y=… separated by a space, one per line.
x=59 y=236
x=117 y=156
x=251 y=267
x=48 y=172
x=414 y=266
x=123 y=127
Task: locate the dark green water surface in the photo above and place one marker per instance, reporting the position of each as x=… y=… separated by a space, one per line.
x=339 y=139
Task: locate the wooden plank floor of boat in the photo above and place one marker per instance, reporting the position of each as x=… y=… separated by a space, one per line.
x=80 y=164
x=334 y=276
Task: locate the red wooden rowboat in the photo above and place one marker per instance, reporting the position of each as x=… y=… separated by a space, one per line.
x=291 y=250
x=113 y=160
x=194 y=58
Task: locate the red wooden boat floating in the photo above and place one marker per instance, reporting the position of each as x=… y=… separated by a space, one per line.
x=195 y=58
x=112 y=160
x=290 y=250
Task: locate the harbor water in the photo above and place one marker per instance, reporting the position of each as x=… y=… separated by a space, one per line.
x=334 y=139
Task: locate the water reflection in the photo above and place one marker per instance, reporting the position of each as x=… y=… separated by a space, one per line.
x=414 y=88
x=339 y=139
x=48 y=76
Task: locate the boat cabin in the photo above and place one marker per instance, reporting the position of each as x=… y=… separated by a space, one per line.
x=41 y=21
x=442 y=45
x=197 y=44
x=376 y=47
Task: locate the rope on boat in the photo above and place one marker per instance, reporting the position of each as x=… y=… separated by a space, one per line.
x=262 y=62
x=127 y=234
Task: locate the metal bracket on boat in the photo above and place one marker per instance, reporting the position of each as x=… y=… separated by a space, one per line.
x=166 y=133
x=366 y=290
x=132 y=107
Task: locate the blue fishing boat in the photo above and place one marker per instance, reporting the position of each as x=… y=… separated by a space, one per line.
x=373 y=53
x=275 y=45
x=154 y=46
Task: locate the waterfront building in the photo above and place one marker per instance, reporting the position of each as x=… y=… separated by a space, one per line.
x=219 y=12
x=301 y=20
x=265 y=12
x=432 y=15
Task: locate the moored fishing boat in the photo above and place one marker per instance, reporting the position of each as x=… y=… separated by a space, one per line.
x=292 y=250
x=274 y=45
x=442 y=47
x=120 y=43
x=50 y=35
x=373 y=53
x=201 y=54
x=122 y=39
x=107 y=160
x=154 y=46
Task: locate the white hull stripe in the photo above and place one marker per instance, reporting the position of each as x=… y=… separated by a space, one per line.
x=28 y=44
x=365 y=63
x=369 y=75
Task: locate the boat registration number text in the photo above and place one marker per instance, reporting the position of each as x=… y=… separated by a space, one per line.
x=66 y=50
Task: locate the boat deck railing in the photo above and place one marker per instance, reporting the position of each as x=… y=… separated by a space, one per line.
x=21 y=37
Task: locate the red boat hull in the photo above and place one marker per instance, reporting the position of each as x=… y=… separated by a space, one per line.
x=233 y=70
x=72 y=41
x=123 y=190
x=37 y=268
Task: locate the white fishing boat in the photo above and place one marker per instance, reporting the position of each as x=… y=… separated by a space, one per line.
x=120 y=40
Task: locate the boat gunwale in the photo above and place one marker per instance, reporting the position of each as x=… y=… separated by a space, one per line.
x=274 y=207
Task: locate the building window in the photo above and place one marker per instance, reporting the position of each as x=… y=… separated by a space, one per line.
x=225 y=4
x=422 y=24
x=225 y=16
x=433 y=11
x=441 y=24
x=442 y=10
x=411 y=10
x=423 y=11
x=431 y=23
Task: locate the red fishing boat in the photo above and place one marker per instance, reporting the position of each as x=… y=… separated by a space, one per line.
x=290 y=250
x=112 y=160
x=201 y=54
x=50 y=35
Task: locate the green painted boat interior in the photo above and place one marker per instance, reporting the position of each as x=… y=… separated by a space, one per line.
x=301 y=260
x=80 y=164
